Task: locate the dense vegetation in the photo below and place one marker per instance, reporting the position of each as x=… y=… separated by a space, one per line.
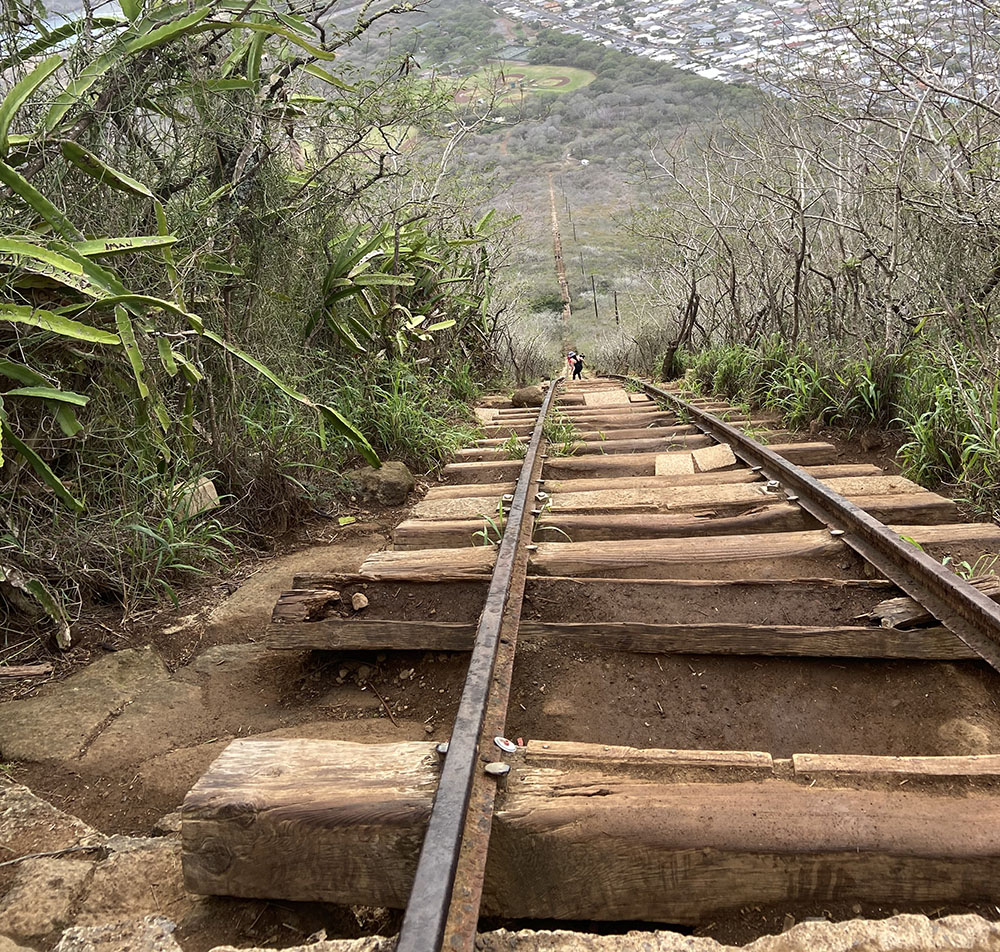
x=217 y=260
x=836 y=257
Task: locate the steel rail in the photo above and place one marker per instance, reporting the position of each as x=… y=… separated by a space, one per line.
x=433 y=883
x=971 y=615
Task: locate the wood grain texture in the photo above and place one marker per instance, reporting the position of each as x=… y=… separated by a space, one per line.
x=649 y=764
x=430 y=565
x=616 y=834
x=905 y=612
x=642 y=482
x=610 y=433
x=14 y=671
x=769 y=555
x=309 y=820
x=644 y=637
x=925 y=644
x=643 y=464
x=921 y=768
x=607 y=447
x=370 y=634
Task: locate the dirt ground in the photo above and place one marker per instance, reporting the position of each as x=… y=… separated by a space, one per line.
x=219 y=682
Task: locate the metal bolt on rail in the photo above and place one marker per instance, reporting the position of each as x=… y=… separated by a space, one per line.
x=500 y=771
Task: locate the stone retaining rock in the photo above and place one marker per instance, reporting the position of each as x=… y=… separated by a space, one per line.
x=388 y=485
x=9 y=945
x=906 y=933
x=152 y=934
x=64 y=716
x=528 y=397
x=29 y=824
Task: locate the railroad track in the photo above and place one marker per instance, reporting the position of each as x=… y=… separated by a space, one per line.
x=742 y=673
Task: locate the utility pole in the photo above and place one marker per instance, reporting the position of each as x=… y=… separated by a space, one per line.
x=593 y=287
x=618 y=322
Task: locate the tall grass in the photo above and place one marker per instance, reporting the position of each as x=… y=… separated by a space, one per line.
x=946 y=405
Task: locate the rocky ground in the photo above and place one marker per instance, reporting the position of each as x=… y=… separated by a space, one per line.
x=94 y=764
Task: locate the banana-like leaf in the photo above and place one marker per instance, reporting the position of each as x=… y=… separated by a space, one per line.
x=296 y=23
x=21 y=91
x=127 y=334
x=22 y=374
x=131 y=8
x=442 y=325
x=41 y=468
x=345 y=335
x=139 y=37
x=54 y=37
x=271 y=29
x=38 y=202
x=166 y=353
x=66 y=418
x=50 y=393
x=191 y=373
x=104 y=173
x=55 y=323
x=330 y=416
x=345 y=428
x=34 y=587
x=313 y=70
x=254 y=53
x=136 y=302
x=10 y=246
x=118 y=246
x=168 y=255
x=218 y=265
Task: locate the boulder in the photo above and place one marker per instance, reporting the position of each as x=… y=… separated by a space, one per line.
x=905 y=933
x=9 y=945
x=528 y=397
x=195 y=497
x=152 y=934
x=44 y=896
x=60 y=722
x=29 y=824
x=389 y=485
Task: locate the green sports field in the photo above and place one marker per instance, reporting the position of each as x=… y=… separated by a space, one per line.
x=513 y=80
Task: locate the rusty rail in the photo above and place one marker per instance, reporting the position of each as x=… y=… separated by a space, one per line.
x=970 y=614
x=434 y=882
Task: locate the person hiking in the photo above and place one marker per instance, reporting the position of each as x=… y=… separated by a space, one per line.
x=570 y=357
x=577 y=366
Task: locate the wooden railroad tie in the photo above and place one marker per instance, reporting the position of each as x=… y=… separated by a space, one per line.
x=586 y=831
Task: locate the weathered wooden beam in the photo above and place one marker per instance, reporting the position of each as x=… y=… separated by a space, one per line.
x=865 y=766
x=371 y=634
x=11 y=672
x=903 y=611
x=591 y=835
x=692 y=479
x=610 y=433
x=650 y=763
x=603 y=522
x=599 y=447
x=806 y=601
x=800 y=641
x=644 y=464
x=773 y=555
x=643 y=482
x=634 y=464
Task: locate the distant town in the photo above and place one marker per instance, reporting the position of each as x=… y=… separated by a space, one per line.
x=739 y=41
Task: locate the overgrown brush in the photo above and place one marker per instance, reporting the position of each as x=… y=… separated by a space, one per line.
x=216 y=262
x=947 y=407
